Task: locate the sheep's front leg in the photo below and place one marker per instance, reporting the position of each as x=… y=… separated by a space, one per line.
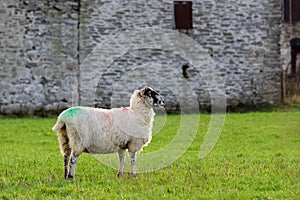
x=133 y=163
x=121 y=153
x=72 y=166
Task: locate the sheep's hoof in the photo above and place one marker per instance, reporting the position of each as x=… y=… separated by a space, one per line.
x=119 y=175
x=134 y=175
x=70 y=177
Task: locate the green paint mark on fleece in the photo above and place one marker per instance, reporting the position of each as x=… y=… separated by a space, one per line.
x=71 y=112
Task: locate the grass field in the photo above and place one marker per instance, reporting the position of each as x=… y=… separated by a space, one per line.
x=256 y=157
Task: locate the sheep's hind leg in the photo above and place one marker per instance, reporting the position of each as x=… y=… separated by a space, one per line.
x=67 y=154
x=121 y=153
x=66 y=164
x=133 y=163
x=73 y=161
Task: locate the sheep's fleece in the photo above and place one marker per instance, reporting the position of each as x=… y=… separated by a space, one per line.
x=101 y=131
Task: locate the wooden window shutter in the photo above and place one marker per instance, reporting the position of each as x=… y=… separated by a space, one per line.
x=183 y=14
x=295 y=10
x=286 y=10
x=291 y=10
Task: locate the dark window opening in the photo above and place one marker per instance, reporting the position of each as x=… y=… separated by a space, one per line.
x=183 y=15
x=291 y=10
x=184 y=71
x=295 y=57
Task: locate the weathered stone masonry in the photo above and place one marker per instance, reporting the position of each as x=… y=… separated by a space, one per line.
x=39 y=55
x=43 y=43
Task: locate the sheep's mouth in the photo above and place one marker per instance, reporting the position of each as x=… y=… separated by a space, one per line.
x=160 y=102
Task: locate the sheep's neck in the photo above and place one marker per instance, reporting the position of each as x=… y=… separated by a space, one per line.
x=146 y=112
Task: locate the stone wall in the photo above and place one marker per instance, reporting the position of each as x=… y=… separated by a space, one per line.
x=55 y=54
x=242 y=38
x=291 y=86
x=289 y=31
x=39 y=56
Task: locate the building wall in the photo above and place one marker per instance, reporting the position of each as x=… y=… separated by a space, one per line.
x=38 y=49
x=242 y=38
x=289 y=31
x=43 y=42
x=291 y=83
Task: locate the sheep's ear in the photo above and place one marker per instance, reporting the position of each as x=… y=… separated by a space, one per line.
x=141 y=92
x=146 y=92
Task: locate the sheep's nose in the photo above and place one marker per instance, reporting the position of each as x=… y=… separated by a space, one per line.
x=161 y=101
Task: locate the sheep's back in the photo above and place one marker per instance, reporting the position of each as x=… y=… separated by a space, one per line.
x=106 y=131
x=93 y=127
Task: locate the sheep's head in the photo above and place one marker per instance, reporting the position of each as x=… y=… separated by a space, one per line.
x=150 y=97
x=153 y=97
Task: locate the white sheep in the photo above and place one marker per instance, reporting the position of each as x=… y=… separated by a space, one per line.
x=102 y=131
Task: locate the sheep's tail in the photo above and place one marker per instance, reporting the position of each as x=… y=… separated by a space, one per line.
x=58 y=125
x=60 y=128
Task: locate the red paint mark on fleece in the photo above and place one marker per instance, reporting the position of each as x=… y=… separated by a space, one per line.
x=107 y=117
x=126 y=109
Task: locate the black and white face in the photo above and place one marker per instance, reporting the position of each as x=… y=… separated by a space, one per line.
x=153 y=97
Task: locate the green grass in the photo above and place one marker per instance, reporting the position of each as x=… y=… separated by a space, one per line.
x=256 y=157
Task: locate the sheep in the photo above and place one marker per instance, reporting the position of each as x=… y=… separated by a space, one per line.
x=102 y=131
